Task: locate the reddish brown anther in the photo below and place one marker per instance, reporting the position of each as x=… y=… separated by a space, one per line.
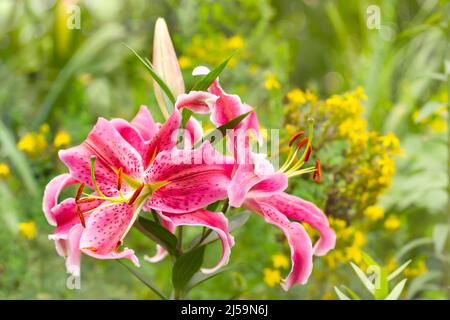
x=308 y=153
x=79 y=192
x=136 y=194
x=302 y=143
x=295 y=137
x=86 y=200
x=119 y=179
x=81 y=216
x=317 y=175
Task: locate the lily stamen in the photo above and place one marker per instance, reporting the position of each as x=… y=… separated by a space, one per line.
x=136 y=193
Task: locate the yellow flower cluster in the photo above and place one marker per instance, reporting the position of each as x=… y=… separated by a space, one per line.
x=211 y=50
x=35 y=142
x=416 y=270
x=374 y=213
x=4 y=170
x=350 y=245
x=392 y=223
x=272 y=276
x=271 y=82
x=437 y=120
x=28 y=229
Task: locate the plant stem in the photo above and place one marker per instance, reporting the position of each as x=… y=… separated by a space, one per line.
x=180 y=240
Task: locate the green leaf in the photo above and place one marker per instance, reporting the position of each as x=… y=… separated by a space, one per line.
x=395 y=293
x=412 y=245
x=340 y=294
x=186 y=266
x=164 y=87
x=429 y=108
x=204 y=83
x=381 y=285
x=235 y=222
x=418 y=284
x=362 y=276
x=157 y=233
x=17 y=158
x=399 y=270
x=8 y=209
x=148 y=283
x=222 y=130
x=369 y=260
x=440 y=234
x=352 y=294
x=185 y=115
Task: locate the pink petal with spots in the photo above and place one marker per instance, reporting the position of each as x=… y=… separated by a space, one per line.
x=131 y=135
x=196 y=101
x=144 y=123
x=51 y=193
x=298 y=239
x=165 y=138
x=105 y=229
x=213 y=220
x=305 y=211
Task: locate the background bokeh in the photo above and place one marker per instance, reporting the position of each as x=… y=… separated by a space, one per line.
x=379 y=97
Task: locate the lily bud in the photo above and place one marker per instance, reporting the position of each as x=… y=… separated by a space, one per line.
x=165 y=63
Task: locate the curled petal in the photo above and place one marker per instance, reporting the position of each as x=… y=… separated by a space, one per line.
x=196 y=101
x=51 y=193
x=305 y=211
x=213 y=220
x=73 y=251
x=195 y=130
x=298 y=239
x=131 y=135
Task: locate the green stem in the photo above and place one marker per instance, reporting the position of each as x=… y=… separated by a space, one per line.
x=180 y=240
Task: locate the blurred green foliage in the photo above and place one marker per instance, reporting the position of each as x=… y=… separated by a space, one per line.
x=55 y=81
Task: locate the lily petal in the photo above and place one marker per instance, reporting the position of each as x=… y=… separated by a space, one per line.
x=213 y=220
x=305 y=211
x=105 y=229
x=196 y=101
x=298 y=239
x=51 y=193
x=144 y=123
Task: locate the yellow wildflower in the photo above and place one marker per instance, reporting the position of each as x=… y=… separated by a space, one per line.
x=271 y=277
x=184 y=62
x=417 y=270
x=296 y=96
x=62 y=139
x=28 y=229
x=32 y=143
x=4 y=170
x=359 y=239
x=235 y=42
x=327 y=296
x=271 y=82
x=438 y=125
x=374 y=213
x=280 y=261
x=392 y=223
x=391 y=265
x=44 y=128
x=353 y=253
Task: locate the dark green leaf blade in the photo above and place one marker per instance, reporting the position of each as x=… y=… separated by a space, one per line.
x=164 y=87
x=157 y=233
x=186 y=266
x=204 y=83
x=222 y=130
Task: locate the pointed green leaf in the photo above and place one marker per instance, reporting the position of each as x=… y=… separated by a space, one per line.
x=222 y=130
x=361 y=275
x=186 y=266
x=399 y=270
x=164 y=87
x=340 y=294
x=395 y=293
x=185 y=115
x=157 y=233
x=369 y=260
x=352 y=294
x=204 y=83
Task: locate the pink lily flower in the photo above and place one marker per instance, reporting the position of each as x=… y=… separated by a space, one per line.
x=258 y=187
x=129 y=166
